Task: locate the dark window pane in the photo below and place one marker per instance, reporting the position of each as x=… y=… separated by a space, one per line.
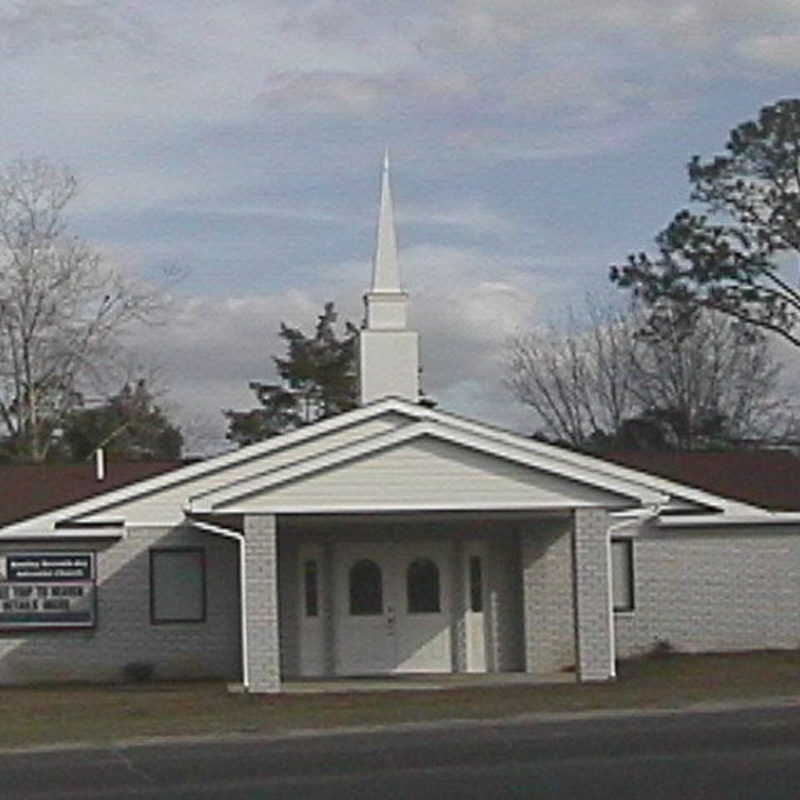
x=422 y=586
x=366 y=588
x=475 y=584
x=622 y=574
x=177 y=585
x=310 y=578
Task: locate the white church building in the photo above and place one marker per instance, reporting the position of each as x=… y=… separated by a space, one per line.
x=390 y=539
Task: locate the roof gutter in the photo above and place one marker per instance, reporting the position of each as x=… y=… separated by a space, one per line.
x=62 y=534
x=726 y=520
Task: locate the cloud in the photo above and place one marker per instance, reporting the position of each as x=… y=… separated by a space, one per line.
x=40 y=24
x=210 y=349
x=780 y=50
x=241 y=139
x=474 y=217
x=464 y=303
x=508 y=23
x=336 y=92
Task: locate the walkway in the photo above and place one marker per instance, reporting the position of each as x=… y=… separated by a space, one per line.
x=420 y=681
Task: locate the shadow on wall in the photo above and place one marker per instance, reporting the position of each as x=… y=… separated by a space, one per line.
x=124 y=633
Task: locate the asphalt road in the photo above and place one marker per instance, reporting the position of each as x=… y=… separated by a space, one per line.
x=730 y=755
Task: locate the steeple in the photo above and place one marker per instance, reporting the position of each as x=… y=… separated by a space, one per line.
x=388 y=362
x=386 y=303
x=385 y=271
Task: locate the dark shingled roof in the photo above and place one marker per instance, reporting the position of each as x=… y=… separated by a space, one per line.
x=27 y=490
x=766 y=478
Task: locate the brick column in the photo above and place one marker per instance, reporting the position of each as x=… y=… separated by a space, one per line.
x=548 y=597
x=593 y=622
x=458 y=590
x=261 y=594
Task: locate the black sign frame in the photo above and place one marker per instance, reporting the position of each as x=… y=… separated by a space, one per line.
x=48 y=589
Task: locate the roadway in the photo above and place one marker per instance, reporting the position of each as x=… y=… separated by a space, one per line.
x=753 y=753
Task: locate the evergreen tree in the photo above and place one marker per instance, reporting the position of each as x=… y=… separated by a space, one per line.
x=130 y=426
x=730 y=257
x=318 y=381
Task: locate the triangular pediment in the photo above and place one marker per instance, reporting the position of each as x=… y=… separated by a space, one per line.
x=424 y=466
x=425 y=472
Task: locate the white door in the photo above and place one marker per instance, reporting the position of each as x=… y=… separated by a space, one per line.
x=424 y=607
x=393 y=608
x=475 y=585
x=312 y=605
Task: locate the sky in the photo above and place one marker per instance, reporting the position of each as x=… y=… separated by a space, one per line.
x=533 y=143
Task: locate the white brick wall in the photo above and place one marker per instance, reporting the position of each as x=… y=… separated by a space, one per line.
x=713 y=591
x=546 y=552
x=124 y=633
x=504 y=608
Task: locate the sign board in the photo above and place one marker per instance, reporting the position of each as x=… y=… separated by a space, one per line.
x=47 y=590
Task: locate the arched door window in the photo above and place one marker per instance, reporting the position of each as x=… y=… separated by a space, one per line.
x=366 y=588
x=422 y=586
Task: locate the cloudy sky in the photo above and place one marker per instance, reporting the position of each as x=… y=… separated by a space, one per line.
x=533 y=143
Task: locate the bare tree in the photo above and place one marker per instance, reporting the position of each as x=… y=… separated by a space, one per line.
x=710 y=378
x=578 y=380
x=683 y=379
x=62 y=310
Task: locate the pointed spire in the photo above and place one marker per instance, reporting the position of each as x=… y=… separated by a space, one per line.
x=385 y=270
x=388 y=360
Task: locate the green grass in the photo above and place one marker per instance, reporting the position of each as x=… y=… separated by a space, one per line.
x=97 y=714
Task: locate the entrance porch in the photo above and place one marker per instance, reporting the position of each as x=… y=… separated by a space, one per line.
x=427 y=593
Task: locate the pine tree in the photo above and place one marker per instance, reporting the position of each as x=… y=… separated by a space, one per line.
x=318 y=380
x=129 y=426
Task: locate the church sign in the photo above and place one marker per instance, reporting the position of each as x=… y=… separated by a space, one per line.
x=47 y=590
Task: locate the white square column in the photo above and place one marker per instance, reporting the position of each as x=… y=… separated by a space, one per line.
x=594 y=632
x=262 y=639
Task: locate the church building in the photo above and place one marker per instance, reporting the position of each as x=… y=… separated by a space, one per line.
x=393 y=538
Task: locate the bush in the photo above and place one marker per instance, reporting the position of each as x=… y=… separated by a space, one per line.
x=138 y=671
x=662 y=648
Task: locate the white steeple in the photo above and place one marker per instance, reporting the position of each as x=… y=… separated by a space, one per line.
x=386 y=303
x=388 y=352
x=385 y=271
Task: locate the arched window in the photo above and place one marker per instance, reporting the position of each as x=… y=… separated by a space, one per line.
x=422 y=586
x=366 y=588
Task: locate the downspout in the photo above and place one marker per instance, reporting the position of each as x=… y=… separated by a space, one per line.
x=239 y=537
x=612 y=637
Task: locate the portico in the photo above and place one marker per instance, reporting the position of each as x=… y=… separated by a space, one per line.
x=426 y=591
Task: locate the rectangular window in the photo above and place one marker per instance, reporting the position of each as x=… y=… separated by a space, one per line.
x=178 y=585
x=622 y=574
x=310 y=577
x=475 y=584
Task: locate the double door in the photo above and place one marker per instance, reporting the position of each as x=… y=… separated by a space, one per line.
x=393 y=607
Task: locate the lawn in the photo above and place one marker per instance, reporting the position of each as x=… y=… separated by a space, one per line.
x=97 y=714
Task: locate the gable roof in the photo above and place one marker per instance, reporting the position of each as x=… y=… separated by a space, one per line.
x=28 y=490
x=766 y=478
x=333 y=442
